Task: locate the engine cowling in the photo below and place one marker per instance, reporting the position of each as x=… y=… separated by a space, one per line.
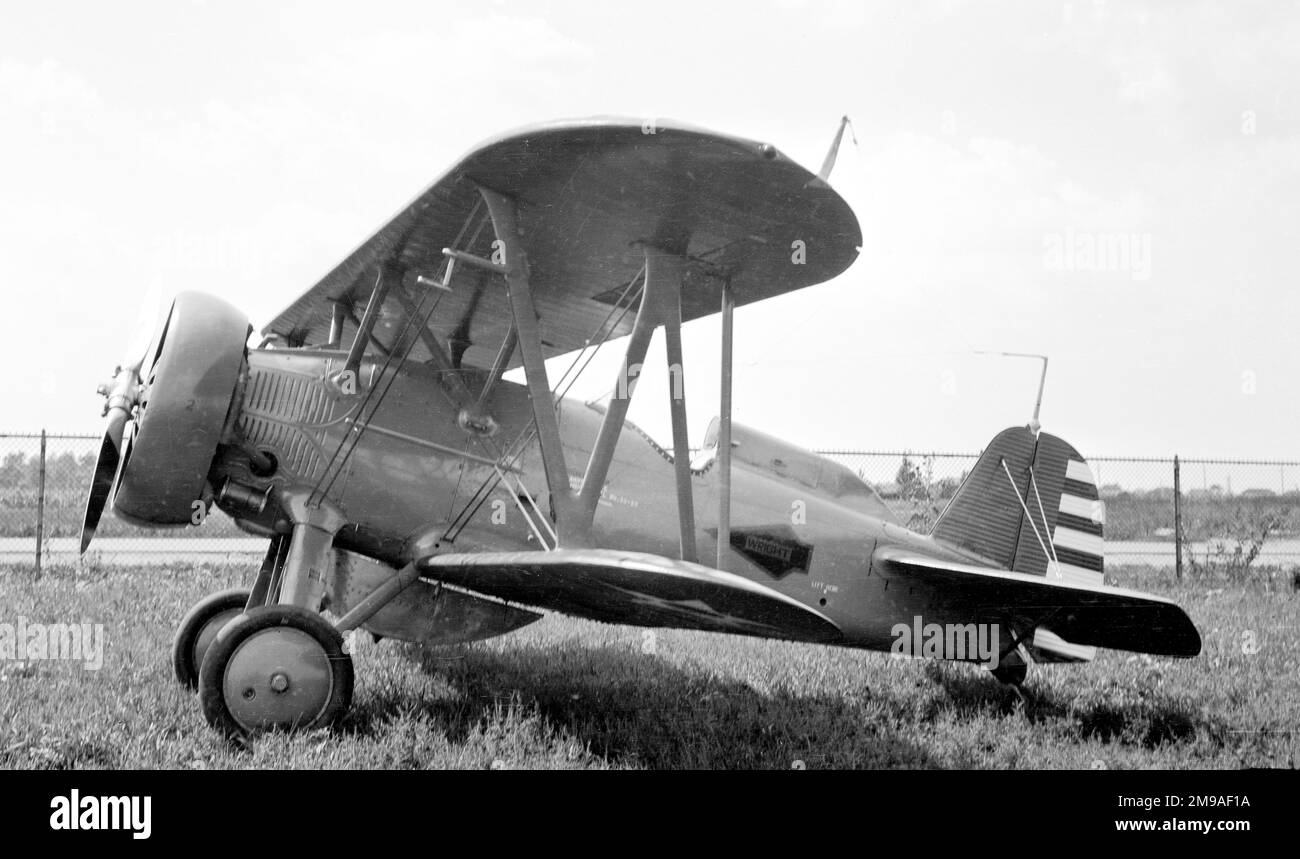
x=183 y=406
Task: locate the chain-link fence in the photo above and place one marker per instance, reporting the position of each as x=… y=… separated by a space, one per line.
x=1176 y=513
x=44 y=478
x=1229 y=513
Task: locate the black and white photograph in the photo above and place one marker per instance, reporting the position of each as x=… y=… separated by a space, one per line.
x=785 y=385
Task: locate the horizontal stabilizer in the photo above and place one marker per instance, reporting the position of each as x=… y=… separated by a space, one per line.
x=632 y=588
x=1076 y=614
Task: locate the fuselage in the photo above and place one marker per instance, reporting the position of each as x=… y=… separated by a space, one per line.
x=413 y=476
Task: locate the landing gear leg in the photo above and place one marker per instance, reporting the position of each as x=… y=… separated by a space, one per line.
x=1012 y=675
x=1013 y=668
x=280 y=665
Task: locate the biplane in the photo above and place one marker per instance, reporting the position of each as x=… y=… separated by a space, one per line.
x=408 y=488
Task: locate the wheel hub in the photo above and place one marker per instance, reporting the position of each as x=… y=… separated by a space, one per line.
x=293 y=692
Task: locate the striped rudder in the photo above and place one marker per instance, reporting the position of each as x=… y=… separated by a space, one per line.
x=1030 y=505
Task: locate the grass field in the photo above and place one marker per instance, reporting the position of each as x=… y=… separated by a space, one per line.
x=569 y=693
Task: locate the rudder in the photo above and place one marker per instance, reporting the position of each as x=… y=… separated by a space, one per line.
x=1030 y=505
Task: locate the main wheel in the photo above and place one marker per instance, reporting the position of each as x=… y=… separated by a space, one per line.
x=199 y=627
x=276 y=667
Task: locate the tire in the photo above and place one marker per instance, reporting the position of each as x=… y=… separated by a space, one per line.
x=298 y=648
x=199 y=628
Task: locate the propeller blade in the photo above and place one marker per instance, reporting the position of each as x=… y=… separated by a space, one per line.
x=151 y=319
x=124 y=395
x=101 y=485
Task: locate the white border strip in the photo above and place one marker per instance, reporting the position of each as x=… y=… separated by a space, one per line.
x=1048 y=640
x=1084 y=508
x=1068 y=538
x=1080 y=471
x=1079 y=576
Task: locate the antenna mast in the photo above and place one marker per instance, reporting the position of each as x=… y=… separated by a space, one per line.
x=1034 y=424
x=829 y=164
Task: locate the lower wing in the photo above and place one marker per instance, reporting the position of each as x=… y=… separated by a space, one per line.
x=633 y=588
x=1087 y=615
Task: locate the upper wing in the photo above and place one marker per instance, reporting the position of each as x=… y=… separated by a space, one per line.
x=633 y=588
x=587 y=192
x=1092 y=615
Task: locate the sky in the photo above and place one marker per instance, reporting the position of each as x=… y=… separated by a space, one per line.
x=1114 y=185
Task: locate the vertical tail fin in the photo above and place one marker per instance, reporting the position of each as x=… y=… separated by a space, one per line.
x=1030 y=505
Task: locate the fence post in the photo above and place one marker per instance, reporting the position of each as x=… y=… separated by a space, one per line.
x=1178 y=521
x=40 y=508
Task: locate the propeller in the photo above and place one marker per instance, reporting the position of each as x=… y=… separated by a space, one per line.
x=123 y=396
